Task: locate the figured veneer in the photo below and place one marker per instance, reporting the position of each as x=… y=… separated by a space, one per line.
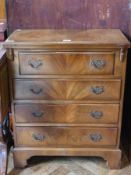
x=99 y=63
x=67 y=113
x=65 y=137
x=67 y=89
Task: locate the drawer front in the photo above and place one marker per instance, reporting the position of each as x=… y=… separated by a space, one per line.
x=58 y=89
x=100 y=63
x=65 y=136
x=69 y=114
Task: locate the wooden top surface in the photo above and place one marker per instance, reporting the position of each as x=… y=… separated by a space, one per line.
x=47 y=37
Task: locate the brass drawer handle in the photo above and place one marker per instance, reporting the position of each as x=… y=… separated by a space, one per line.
x=96 y=137
x=35 y=63
x=36 y=90
x=96 y=114
x=98 y=64
x=97 y=90
x=37 y=114
x=38 y=137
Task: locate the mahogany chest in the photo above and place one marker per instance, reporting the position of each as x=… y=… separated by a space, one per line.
x=67 y=89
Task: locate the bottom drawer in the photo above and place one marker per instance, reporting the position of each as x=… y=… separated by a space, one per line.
x=65 y=136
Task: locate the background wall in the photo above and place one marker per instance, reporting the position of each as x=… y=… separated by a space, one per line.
x=76 y=14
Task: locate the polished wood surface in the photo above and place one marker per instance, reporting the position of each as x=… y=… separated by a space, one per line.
x=2 y=9
x=100 y=37
x=72 y=15
x=64 y=89
x=69 y=114
x=65 y=137
x=34 y=63
x=69 y=91
x=3 y=22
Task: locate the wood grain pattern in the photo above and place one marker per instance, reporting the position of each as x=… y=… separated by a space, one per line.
x=62 y=113
x=60 y=89
x=103 y=38
x=68 y=14
x=2 y=9
x=67 y=63
x=66 y=90
x=65 y=137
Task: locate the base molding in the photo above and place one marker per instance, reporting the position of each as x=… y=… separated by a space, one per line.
x=113 y=156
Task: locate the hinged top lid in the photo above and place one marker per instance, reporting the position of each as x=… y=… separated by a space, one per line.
x=37 y=38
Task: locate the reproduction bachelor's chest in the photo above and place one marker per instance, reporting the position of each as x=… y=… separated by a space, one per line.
x=67 y=90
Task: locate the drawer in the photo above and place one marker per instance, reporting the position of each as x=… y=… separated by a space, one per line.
x=68 y=89
x=69 y=114
x=65 y=136
x=35 y=63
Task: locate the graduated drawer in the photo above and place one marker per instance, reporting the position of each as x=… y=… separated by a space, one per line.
x=69 y=114
x=67 y=89
x=35 y=63
x=65 y=136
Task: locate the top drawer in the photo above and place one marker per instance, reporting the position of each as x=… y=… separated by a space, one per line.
x=66 y=63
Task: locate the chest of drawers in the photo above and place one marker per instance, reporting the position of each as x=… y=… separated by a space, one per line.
x=67 y=90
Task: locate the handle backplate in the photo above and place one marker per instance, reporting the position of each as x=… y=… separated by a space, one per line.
x=96 y=114
x=96 y=137
x=35 y=63
x=36 y=90
x=38 y=114
x=97 y=89
x=38 y=137
x=98 y=63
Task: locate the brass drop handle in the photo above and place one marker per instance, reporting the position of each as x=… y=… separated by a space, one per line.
x=35 y=63
x=36 y=90
x=96 y=114
x=38 y=137
x=96 y=137
x=98 y=64
x=97 y=90
x=38 y=114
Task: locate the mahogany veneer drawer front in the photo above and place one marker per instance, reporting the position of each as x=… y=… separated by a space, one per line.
x=67 y=63
x=65 y=136
x=67 y=113
x=67 y=89
x=60 y=89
